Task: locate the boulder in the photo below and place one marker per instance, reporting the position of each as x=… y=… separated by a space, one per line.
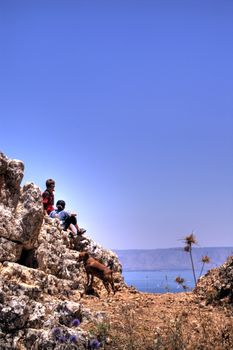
x=14 y=314
x=21 y=209
x=9 y=250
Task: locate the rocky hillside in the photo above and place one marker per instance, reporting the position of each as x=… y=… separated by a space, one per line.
x=41 y=281
x=44 y=302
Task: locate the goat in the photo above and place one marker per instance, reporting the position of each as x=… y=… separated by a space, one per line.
x=95 y=268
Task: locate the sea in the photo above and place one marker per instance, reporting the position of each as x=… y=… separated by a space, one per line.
x=160 y=281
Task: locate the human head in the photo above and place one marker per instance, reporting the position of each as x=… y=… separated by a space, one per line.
x=60 y=204
x=50 y=183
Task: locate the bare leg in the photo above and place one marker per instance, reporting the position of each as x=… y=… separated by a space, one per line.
x=73 y=229
x=77 y=228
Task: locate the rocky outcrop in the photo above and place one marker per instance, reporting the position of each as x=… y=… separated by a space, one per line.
x=217 y=285
x=33 y=304
x=54 y=256
x=21 y=211
x=41 y=281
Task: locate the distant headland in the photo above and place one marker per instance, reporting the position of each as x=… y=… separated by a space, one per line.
x=170 y=258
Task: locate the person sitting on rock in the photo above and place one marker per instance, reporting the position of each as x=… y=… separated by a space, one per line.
x=68 y=219
x=48 y=196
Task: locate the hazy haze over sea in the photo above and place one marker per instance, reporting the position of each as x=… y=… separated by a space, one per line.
x=171 y=258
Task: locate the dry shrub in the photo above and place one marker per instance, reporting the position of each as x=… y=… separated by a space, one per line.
x=130 y=333
x=198 y=329
x=202 y=331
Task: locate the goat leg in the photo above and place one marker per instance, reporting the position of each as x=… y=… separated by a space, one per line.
x=92 y=279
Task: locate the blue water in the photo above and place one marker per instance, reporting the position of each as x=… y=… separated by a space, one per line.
x=161 y=281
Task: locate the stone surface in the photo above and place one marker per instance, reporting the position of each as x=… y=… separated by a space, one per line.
x=9 y=250
x=21 y=211
x=41 y=281
x=11 y=174
x=14 y=314
x=217 y=285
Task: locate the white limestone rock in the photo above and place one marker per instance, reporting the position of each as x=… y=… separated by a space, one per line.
x=41 y=280
x=9 y=250
x=21 y=210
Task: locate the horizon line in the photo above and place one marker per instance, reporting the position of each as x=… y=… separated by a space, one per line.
x=206 y=247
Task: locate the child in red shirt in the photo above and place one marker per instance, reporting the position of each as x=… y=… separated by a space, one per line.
x=48 y=196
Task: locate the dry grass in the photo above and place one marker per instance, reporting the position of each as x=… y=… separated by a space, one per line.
x=160 y=322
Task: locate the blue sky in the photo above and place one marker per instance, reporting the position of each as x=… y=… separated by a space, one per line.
x=128 y=105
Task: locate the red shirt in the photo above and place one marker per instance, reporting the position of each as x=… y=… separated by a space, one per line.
x=48 y=201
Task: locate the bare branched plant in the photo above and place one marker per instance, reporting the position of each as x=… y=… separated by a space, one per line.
x=205 y=260
x=181 y=281
x=189 y=241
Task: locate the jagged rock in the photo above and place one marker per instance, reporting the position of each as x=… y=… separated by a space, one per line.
x=9 y=250
x=11 y=174
x=29 y=215
x=217 y=284
x=67 y=312
x=45 y=340
x=14 y=314
x=37 y=315
x=21 y=210
x=55 y=258
x=41 y=280
x=17 y=279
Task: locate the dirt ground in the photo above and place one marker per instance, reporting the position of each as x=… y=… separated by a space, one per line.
x=135 y=320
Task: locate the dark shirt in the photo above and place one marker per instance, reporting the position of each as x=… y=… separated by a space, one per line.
x=48 y=201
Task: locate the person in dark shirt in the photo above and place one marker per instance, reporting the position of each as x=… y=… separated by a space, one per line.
x=48 y=196
x=68 y=220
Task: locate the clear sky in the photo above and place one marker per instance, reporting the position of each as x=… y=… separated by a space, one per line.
x=128 y=105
